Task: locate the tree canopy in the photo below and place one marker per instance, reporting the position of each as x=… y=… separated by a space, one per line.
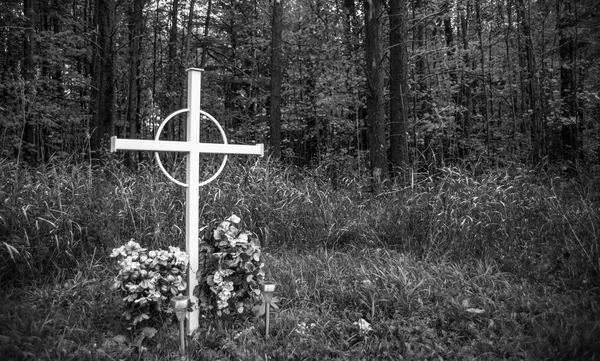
x=415 y=84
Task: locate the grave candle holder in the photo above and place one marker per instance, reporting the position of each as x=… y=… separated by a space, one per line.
x=267 y=289
x=180 y=305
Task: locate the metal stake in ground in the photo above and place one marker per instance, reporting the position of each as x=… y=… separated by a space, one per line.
x=267 y=288
x=193 y=147
x=180 y=304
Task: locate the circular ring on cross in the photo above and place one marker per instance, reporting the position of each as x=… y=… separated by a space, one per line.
x=157 y=157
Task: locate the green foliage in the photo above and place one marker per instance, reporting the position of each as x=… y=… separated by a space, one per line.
x=468 y=265
x=147 y=280
x=230 y=269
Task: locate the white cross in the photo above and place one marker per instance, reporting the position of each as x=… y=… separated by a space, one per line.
x=193 y=147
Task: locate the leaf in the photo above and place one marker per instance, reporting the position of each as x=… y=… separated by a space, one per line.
x=149 y=332
x=140 y=318
x=120 y=339
x=117 y=285
x=217 y=235
x=259 y=310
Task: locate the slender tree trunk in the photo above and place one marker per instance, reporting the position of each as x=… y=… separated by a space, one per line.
x=56 y=29
x=173 y=81
x=532 y=87
x=447 y=8
x=522 y=65
x=483 y=75
x=449 y=38
x=133 y=101
x=206 y=27
x=28 y=147
x=276 y=75
x=57 y=77
x=154 y=63
x=467 y=97
x=513 y=105
x=187 y=59
x=103 y=74
x=421 y=102
x=375 y=83
x=565 y=25
x=398 y=87
x=352 y=30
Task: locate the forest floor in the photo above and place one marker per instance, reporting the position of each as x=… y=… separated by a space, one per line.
x=348 y=293
x=414 y=310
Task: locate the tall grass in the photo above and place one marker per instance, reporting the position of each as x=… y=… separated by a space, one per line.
x=414 y=262
x=63 y=212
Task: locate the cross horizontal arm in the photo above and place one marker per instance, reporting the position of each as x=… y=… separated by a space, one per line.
x=216 y=148
x=148 y=145
x=176 y=146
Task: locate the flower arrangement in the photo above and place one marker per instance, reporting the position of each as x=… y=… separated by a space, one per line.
x=231 y=269
x=148 y=279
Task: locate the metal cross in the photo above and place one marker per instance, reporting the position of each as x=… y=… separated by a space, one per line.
x=193 y=147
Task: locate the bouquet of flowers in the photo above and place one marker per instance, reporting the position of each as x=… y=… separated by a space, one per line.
x=230 y=269
x=148 y=279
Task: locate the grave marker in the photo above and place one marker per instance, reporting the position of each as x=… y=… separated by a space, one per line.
x=193 y=147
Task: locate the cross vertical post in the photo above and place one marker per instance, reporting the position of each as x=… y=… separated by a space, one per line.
x=192 y=192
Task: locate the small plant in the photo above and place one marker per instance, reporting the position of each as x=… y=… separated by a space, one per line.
x=148 y=279
x=231 y=269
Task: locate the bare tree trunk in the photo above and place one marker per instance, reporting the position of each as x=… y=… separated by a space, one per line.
x=352 y=25
x=103 y=74
x=398 y=87
x=375 y=96
x=467 y=97
x=483 y=75
x=532 y=87
x=133 y=101
x=276 y=75
x=172 y=80
x=187 y=60
x=206 y=25
x=510 y=78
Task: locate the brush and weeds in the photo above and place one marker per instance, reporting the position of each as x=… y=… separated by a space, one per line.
x=503 y=265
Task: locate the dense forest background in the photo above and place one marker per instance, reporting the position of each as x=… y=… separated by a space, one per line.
x=397 y=86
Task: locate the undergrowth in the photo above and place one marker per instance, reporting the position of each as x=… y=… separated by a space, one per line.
x=502 y=265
